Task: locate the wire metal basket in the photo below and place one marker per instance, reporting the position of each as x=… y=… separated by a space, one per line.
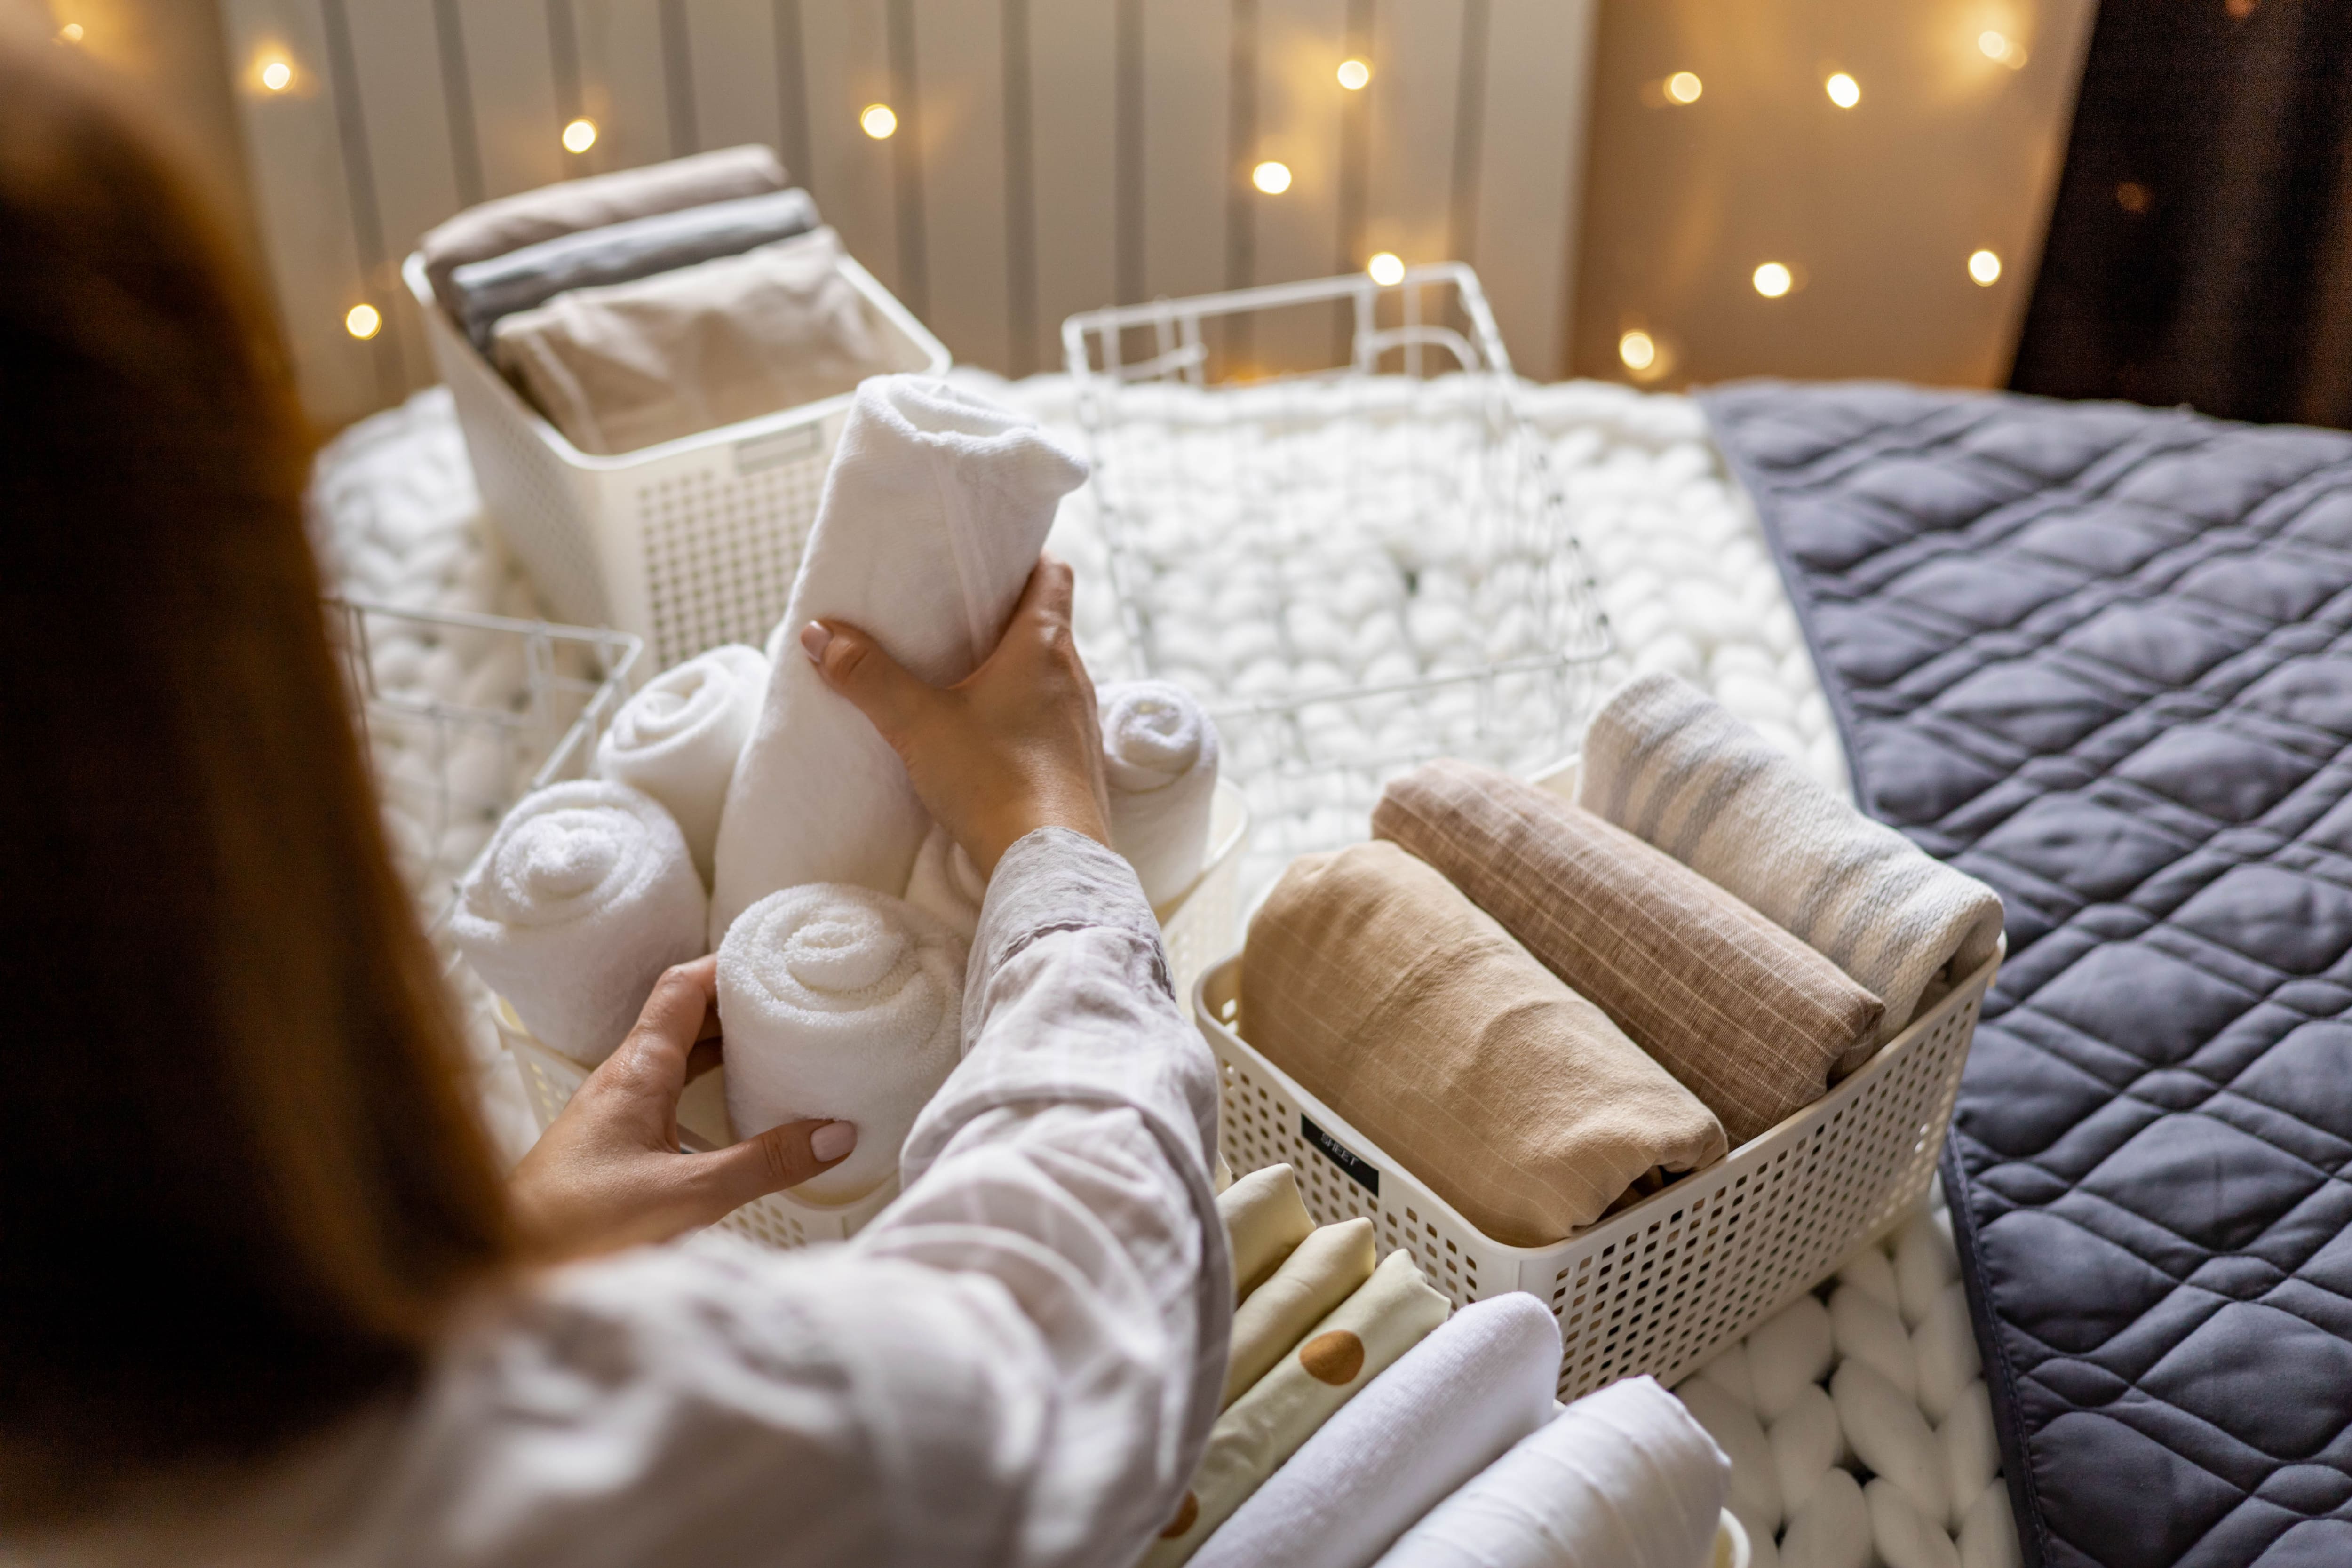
x=1356 y=568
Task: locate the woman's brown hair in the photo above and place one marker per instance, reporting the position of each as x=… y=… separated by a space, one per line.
x=239 y=1184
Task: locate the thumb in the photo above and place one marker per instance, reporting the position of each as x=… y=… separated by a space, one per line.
x=726 y=1179
x=861 y=669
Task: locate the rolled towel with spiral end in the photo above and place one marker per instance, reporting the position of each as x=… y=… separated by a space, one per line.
x=842 y=1002
x=587 y=894
x=1160 y=759
x=678 y=737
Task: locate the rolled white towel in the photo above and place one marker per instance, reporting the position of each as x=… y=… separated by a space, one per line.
x=1621 y=1479
x=946 y=883
x=934 y=511
x=1160 y=758
x=1447 y=1409
x=677 y=739
x=586 y=895
x=842 y=1002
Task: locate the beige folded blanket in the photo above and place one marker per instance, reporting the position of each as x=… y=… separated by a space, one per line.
x=510 y=222
x=1265 y=1218
x=1669 y=764
x=1320 y=1272
x=628 y=364
x=1749 y=1018
x=1409 y=1011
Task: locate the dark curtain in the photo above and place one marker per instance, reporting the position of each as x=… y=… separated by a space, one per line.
x=2200 y=245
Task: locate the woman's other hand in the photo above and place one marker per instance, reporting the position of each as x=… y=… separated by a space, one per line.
x=1012 y=748
x=609 y=1173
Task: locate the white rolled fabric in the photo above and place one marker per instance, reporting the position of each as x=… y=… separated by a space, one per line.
x=1621 y=1479
x=947 y=884
x=586 y=895
x=934 y=511
x=842 y=1002
x=1447 y=1409
x=677 y=739
x=1160 y=759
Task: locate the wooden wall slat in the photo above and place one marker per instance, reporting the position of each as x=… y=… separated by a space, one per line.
x=1300 y=46
x=735 y=72
x=959 y=67
x=621 y=86
x=513 y=71
x=1074 y=132
x=1188 y=80
x=1416 y=64
x=397 y=53
x=1538 y=67
x=849 y=173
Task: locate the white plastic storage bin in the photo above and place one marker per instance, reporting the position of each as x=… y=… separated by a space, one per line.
x=690 y=543
x=1661 y=1287
x=1196 y=926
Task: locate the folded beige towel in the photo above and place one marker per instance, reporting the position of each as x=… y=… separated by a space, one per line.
x=1409 y=1011
x=1320 y=1272
x=1669 y=764
x=1387 y=1315
x=510 y=222
x=1265 y=1218
x=1749 y=1018
x=628 y=364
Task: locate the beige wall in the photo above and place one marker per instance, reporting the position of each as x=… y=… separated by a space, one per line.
x=1875 y=209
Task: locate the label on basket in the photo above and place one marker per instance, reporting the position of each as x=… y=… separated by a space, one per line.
x=1364 y=1174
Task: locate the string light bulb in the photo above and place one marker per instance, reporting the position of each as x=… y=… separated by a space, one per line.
x=1844 y=91
x=1387 y=269
x=1354 y=74
x=1985 y=268
x=1772 y=279
x=1638 y=351
x=70 y=32
x=1271 y=177
x=363 y=321
x=1684 y=87
x=1995 y=44
x=878 y=121
x=579 y=136
x=277 y=75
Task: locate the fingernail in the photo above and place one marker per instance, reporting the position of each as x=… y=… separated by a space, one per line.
x=814 y=640
x=832 y=1140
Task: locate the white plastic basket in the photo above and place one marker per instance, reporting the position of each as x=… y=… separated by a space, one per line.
x=1408 y=583
x=1661 y=1287
x=690 y=543
x=1196 y=926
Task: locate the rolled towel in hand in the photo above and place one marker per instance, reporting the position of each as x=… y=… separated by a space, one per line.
x=1362 y=1337
x=677 y=739
x=1265 y=1218
x=1621 y=1479
x=1160 y=759
x=1409 y=1011
x=1320 y=1272
x=585 y=895
x=485 y=292
x=510 y=222
x=1747 y=1017
x=934 y=511
x=1447 y=1409
x=947 y=884
x=841 y=1003
x=1671 y=766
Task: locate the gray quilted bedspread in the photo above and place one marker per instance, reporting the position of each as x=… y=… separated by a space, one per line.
x=2101 y=657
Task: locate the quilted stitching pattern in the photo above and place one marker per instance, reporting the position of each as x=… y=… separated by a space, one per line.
x=2101 y=657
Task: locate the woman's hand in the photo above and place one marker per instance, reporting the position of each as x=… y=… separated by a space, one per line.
x=1013 y=747
x=609 y=1173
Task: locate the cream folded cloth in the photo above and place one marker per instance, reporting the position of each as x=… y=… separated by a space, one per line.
x=678 y=737
x=1160 y=759
x=631 y=364
x=1447 y=1409
x=1321 y=1271
x=934 y=511
x=1265 y=1218
x=1749 y=1018
x=510 y=222
x=842 y=1002
x=1362 y=1338
x=1409 y=1011
x=499 y=286
x=1668 y=764
x=584 y=896
x=946 y=883
x=1621 y=1479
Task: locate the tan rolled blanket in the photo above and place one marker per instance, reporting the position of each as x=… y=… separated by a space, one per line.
x=1409 y=1012
x=1747 y=1017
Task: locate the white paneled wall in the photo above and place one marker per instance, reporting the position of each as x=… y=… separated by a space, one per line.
x=1052 y=155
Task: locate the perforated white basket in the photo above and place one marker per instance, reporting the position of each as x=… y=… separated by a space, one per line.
x=690 y=543
x=1661 y=1287
x=1195 y=926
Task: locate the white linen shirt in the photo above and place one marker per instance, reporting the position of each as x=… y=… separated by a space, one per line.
x=1016 y=1363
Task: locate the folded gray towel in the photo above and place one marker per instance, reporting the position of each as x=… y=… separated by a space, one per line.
x=481 y=293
